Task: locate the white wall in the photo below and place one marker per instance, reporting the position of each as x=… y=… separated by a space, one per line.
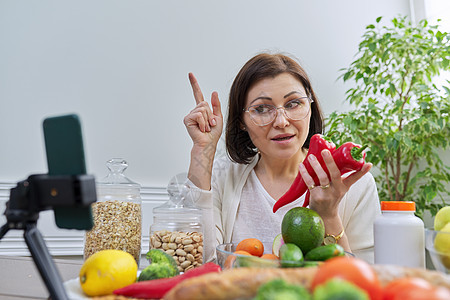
x=122 y=66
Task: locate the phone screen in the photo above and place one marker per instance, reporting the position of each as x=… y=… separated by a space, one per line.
x=65 y=156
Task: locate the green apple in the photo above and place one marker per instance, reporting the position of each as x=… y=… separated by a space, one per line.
x=442 y=245
x=442 y=218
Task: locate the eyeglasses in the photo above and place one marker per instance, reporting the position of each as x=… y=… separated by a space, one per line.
x=263 y=114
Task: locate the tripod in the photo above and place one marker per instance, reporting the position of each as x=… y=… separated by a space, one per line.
x=38 y=193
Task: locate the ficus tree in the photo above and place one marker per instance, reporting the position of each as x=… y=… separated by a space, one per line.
x=399 y=111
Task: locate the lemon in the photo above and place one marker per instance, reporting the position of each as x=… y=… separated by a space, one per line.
x=442 y=244
x=107 y=270
x=277 y=243
x=442 y=218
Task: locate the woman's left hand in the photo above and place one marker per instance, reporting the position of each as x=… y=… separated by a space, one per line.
x=325 y=199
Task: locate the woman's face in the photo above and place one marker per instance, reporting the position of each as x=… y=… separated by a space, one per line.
x=283 y=138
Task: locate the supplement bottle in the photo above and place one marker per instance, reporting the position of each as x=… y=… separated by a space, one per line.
x=399 y=235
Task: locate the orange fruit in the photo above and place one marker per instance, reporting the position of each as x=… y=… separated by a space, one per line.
x=251 y=245
x=231 y=258
x=241 y=252
x=269 y=256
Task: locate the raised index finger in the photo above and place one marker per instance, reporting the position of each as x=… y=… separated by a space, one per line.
x=198 y=95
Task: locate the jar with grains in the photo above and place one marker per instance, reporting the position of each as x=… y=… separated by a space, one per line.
x=177 y=227
x=117 y=214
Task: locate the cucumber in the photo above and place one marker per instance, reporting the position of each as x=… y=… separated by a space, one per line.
x=325 y=252
x=290 y=256
x=255 y=262
x=308 y=263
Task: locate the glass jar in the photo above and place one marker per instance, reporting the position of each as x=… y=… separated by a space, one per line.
x=117 y=214
x=177 y=228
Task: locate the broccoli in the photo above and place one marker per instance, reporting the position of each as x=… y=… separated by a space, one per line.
x=278 y=289
x=159 y=256
x=338 y=289
x=156 y=271
x=162 y=265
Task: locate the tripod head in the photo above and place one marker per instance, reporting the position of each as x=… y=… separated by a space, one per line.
x=44 y=192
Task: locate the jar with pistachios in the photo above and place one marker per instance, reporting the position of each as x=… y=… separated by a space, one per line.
x=117 y=214
x=177 y=228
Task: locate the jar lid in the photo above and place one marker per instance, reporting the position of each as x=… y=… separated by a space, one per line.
x=398 y=205
x=117 y=167
x=178 y=204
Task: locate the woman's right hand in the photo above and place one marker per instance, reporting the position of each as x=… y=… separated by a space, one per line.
x=204 y=124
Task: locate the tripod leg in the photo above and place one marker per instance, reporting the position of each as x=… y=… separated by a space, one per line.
x=44 y=263
x=3 y=230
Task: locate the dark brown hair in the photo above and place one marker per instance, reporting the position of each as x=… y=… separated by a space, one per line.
x=240 y=147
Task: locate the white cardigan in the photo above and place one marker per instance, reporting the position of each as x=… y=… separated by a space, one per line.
x=358 y=209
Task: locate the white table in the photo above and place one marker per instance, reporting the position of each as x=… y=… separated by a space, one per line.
x=20 y=279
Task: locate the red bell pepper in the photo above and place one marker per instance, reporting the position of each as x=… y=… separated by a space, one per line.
x=157 y=288
x=348 y=157
x=316 y=145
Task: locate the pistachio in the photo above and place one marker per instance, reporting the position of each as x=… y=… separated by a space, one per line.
x=187 y=241
x=189 y=248
x=180 y=252
x=190 y=257
x=186 y=248
x=185 y=264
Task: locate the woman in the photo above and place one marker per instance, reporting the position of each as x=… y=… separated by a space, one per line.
x=272 y=114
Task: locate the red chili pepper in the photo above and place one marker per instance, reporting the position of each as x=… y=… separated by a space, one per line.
x=316 y=145
x=157 y=288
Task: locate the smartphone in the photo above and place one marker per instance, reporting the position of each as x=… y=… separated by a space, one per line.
x=65 y=156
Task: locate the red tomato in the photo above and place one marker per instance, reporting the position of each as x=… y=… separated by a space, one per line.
x=397 y=286
x=441 y=293
x=353 y=270
x=414 y=289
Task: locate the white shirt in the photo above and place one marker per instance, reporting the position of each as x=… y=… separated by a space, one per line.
x=255 y=218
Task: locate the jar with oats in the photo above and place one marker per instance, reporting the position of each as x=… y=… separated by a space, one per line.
x=117 y=214
x=177 y=227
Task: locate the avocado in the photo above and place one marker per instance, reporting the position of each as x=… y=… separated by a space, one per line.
x=303 y=227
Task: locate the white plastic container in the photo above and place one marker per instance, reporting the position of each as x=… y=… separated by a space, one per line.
x=399 y=235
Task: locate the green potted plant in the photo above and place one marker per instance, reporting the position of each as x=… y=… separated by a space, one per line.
x=399 y=112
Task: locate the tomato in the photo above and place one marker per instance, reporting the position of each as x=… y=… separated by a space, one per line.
x=424 y=294
x=353 y=270
x=397 y=286
x=440 y=293
x=414 y=289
